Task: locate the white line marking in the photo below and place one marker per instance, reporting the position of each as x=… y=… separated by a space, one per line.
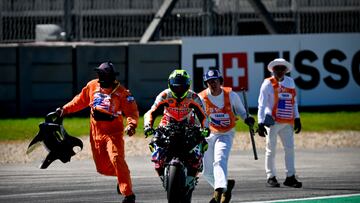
x=310 y=198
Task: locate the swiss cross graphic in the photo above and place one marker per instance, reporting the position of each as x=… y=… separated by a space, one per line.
x=235 y=70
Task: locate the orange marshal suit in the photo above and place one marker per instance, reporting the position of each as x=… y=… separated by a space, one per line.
x=106 y=137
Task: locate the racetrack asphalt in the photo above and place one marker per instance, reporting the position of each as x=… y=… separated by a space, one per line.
x=323 y=172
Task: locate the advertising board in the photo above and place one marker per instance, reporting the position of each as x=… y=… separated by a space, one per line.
x=326 y=66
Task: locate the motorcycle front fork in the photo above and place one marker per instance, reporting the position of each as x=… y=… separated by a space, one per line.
x=190 y=182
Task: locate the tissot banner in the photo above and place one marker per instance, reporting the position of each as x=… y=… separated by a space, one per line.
x=326 y=66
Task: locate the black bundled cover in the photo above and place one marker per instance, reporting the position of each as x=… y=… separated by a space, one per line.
x=56 y=140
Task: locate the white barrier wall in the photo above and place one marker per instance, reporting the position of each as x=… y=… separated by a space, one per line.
x=326 y=66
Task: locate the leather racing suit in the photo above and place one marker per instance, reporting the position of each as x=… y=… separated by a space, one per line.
x=174 y=110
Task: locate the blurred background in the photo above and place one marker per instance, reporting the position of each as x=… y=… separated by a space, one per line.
x=127 y=20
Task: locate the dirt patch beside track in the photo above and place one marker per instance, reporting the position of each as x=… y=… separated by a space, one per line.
x=15 y=151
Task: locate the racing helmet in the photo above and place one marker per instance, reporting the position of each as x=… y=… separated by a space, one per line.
x=212 y=74
x=179 y=83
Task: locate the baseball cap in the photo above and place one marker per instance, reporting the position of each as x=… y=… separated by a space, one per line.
x=107 y=68
x=212 y=74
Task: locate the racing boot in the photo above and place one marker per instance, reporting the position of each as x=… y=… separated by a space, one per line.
x=272 y=182
x=226 y=196
x=129 y=199
x=292 y=182
x=217 y=195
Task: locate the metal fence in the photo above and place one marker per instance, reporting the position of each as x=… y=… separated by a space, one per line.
x=127 y=20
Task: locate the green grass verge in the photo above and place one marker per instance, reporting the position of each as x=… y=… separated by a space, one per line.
x=20 y=129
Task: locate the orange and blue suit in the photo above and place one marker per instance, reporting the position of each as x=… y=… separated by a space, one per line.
x=109 y=106
x=174 y=110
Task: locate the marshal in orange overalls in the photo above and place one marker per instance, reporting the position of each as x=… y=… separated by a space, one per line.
x=106 y=131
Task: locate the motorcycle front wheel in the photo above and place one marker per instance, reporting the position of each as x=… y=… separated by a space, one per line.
x=176 y=184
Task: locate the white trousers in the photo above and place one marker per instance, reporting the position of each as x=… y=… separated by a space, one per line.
x=216 y=159
x=286 y=134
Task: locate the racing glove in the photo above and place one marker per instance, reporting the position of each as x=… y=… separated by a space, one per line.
x=297 y=125
x=250 y=121
x=205 y=132
x=262 y=130
x=204 y=146
x=148 y=130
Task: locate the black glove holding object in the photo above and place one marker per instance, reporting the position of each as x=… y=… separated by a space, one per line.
x=262 y=130
x=297 y=125
x=59 y=111
x=250 y=121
